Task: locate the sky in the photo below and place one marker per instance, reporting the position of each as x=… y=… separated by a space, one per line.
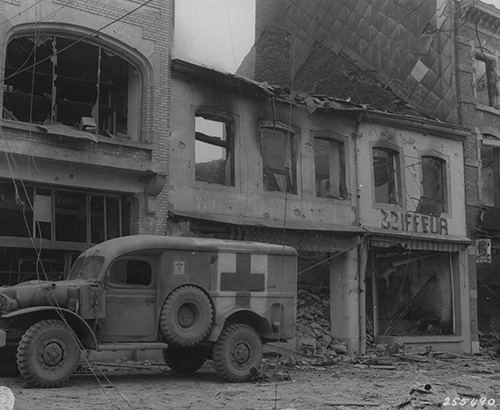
x=215 y=33
x=496 y=3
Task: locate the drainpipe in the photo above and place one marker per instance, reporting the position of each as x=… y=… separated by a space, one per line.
x=361 y=247
x=355 y=136
x=456 y=26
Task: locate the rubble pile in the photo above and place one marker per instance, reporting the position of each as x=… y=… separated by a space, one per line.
x=490 y=344
x=314 y=337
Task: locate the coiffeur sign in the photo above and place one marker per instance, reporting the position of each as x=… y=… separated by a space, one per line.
x=413 y=222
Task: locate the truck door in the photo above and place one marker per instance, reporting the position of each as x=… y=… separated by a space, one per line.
x=130 y=301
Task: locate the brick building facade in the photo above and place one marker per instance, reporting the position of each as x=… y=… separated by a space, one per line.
x=85 y=126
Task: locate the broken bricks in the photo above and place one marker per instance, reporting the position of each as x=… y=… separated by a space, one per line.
x=314 y=337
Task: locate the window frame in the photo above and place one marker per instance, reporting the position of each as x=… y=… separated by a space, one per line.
x=333 y=137
x=494 y=144
x=217 y=115
x=398 y=167
x=35 y=190
x=134 y=104
x=445 y=177
x=111 y=284
x=293 y=135
x=491 y=79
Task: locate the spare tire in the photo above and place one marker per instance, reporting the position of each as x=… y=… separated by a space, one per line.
x=186 y=317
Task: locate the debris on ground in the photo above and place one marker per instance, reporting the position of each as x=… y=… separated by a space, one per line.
x=314 y=337
x=420 y=397
x=490 y=344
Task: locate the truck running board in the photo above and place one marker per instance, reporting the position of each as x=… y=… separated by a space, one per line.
x=131 y=346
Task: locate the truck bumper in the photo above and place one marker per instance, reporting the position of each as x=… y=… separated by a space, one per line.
x=3 y=338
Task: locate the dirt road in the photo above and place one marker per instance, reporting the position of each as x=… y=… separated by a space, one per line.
x=310 y=387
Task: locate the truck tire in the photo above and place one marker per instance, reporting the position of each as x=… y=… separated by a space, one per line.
x=186 y=317
x=8 y=365
x=185 y=360
x=237 y=353
x=47 y=354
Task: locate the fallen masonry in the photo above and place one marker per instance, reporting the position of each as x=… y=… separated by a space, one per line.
x=314 y=337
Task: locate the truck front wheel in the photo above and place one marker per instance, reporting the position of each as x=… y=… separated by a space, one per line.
x=185 y=360
x=47 y=354
x=237 y=352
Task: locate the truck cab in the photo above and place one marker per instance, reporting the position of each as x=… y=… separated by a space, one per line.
x=193 y=298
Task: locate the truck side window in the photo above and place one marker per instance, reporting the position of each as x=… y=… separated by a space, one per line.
x=125 y=272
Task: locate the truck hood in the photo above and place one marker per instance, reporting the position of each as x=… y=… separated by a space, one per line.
x=40 y=293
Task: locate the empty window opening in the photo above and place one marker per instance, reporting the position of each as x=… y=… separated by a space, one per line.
x=126 y=272
x=214 y=152
x=51 y=80
x=386 y=176
x=329 y=163
x=279 y=160
x=486 y=84
x=434 y=186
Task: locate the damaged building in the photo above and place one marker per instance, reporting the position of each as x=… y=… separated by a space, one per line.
x=441 y=56
x=373 y=200
x=84 y=124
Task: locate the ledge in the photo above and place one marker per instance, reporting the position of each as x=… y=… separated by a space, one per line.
x=421 y=339
x=488 y=109
x=35 y=128
x=21 y=242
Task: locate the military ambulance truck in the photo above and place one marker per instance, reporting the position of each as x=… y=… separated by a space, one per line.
x=193 y=298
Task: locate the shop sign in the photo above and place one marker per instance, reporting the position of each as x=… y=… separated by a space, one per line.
x=483 y=250
x=413 y=222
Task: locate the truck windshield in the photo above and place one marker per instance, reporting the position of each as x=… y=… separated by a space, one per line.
x=86 y=267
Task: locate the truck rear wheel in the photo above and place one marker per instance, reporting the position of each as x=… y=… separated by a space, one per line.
x=186 y=317
x=8 y=365
x=47 y=354
x=237 y=352
x=185 y=360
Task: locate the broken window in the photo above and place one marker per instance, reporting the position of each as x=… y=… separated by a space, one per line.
x=386 y=175
x=412 y=292
x=53 y=79
x=489 y=182
x=486 y=83
x=279 y=160
x=214 y=150
x=329 y=163
x=60 y=215
x=434 y=186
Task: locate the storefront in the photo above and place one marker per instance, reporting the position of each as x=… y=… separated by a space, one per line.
x=417 y=291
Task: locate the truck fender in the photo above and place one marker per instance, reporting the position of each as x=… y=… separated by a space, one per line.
x=81 y=328
x=241 y=315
